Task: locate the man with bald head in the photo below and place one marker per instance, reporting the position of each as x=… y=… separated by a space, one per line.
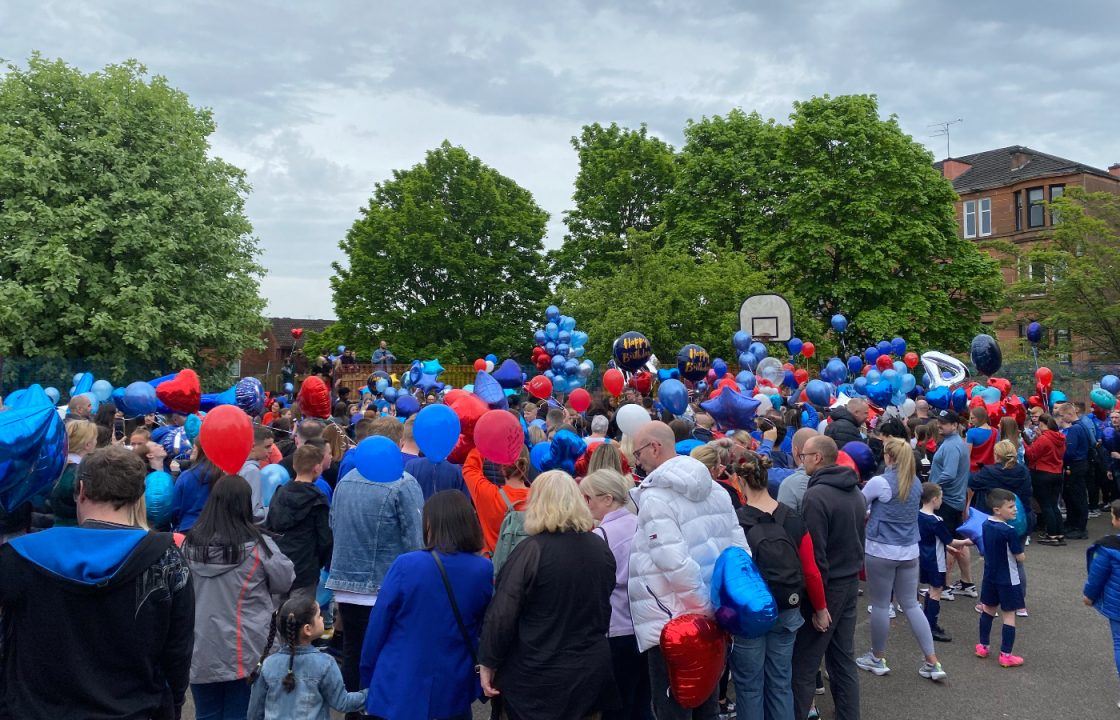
x=846 y=422
x=79 y=408
x=793 y=487
x=833 y=510
x=685 y=520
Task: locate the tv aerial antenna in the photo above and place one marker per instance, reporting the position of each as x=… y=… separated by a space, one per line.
x=943 y=130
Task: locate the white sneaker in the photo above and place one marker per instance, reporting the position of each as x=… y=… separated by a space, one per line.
x=872 y=664
x=947 y=595
x=932 y=672
x=892 y=613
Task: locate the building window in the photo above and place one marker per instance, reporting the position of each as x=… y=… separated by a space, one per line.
x=1036 y=212
x=1056 y=191
x=970 y=218
x=985 y=216
x=1018 y=209
x=235 y=368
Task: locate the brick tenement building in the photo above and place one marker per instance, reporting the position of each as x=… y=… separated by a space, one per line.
x=1003 y=195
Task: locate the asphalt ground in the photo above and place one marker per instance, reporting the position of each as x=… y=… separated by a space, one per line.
x=1068 y=671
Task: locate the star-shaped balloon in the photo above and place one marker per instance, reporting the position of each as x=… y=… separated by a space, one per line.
x=732 y=410
x=432 y=367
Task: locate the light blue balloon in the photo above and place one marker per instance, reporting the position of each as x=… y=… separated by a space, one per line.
x=552 y=331
x=579 y=338
x=93 y=402
x=909 y=382
x=746 y=380
x=900 y=367
x=577 y=352
x=382 y=385
x=991 y=395
x=873 y=376
x=272 y=477
x=567 y=323
x=52 y=393
x=102 y=390
x=552 y=313
x=891 y=376
x=158 y=489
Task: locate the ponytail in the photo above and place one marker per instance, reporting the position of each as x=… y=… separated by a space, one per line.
x=902 y=454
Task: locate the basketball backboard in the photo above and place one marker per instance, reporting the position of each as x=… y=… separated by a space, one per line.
x=767 y=318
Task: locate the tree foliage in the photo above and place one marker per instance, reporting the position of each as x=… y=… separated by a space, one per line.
x=1075 y=280
x=446 y=260
x=121 y=240
x=624 y=177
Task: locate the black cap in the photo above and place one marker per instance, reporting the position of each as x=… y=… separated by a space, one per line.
x=947 y=416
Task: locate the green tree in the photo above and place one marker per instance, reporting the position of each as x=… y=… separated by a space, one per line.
x=121 y=240
x=673 y=297
x=624 y=178
x=446 y=260
x=1074 y=283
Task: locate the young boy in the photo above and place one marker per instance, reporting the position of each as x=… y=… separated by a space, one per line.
x=934 y=542
x=1001 y=587
x=251 y=470
x=1102 y=588
x=300 y=516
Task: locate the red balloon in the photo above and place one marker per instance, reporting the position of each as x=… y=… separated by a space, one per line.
x=801 y=375
x=642 y=381
x=808 y=349
x=1003 y=384
x=613 y=381
x=580 y=400
x=469 y=407
x=315 y=398
x=788 y=366
x=1043 y=375
x=182 y=394
x=544 y=362
x=695 y=650
x=226 y=437
x=728 y=381
x=539 y=387
x=911 y=359
x=498 y=436
x=479 y=364
x=884 y=362
x=297 y=333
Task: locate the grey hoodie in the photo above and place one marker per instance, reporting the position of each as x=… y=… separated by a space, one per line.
x=233 y=610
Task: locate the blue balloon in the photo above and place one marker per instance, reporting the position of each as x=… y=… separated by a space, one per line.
x=576 y=352
x=407 y=406
x=289 y=388
x=855 y=365
x=564 y=337
x=571 y=367
x=776 y=401
x=562 y=349
x=32 y=449
x=550 y=347
x=742 y=600
x=212 y=400
x=862 y=456
x=891 y=376
x=509 y=375
x=158 y=488
x=900 y=367
x=1110 y=383
x=939 y=397
x=378 y=459
x=741 y=341
x=732 y=409
x=381 y=385
x=93 y=402
x=272 y=477
x=1034 y=333
x=873 y=376
x=748 y=360
x=818 y=392
x=84 y=384
x=192 y=425
x=176 y=443
x=793 y=346
x=839 y=323
x=487 y=389
x=140 y=399
x=719 y=365
x=884 y=347
x=746 y=379
x=560 y=384
x=558 y=362
x=102 y=390
x=789 y=379
x=758 y=350
x=492 y=358
x=990 y=395
x=52 y=393
x=540 y=456
x=341 y=349
x=552 y=313
x=693 y=362
x=579 y=338
x=1102 y=398
x=390 y=394
x=871 y=354
x=860 y=385
x=539 y=337
x=836 y=370
x=908 y=383
x=552 y=331
x=880 y=392
x=986 y=355
x=436 y=431
x=959 y=399
x=567 y=323
x=898 y=346
x=673 y=396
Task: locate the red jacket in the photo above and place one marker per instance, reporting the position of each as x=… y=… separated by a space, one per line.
x=1045 y=453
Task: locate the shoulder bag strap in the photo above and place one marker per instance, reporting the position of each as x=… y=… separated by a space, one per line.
x=455 y=609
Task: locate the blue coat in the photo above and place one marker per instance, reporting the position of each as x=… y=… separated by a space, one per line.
x=189 y=495
x=1103 y=584
x=414 y=661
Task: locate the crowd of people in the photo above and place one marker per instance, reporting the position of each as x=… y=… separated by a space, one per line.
x=543 y=592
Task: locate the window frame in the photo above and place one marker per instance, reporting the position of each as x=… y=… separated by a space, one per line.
x=965 y=213
x=980 y=212
x=1055 y=217
x=1041 y=205
x=1017 y=208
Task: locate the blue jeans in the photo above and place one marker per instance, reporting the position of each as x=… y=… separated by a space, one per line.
x=762 y=669
x=221 y=700
x=1115 y=625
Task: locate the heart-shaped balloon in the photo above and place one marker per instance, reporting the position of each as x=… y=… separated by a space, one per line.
x=297 y=333
x=182 y=394
x=314 y=398
x=695 y=650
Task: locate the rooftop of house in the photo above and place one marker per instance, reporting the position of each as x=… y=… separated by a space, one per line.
x=282 y=327
x=1007 y=166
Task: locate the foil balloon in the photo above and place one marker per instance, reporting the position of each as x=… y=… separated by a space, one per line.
x=1110 y=383
x=176 y=443
x=314 y=398
x=943 y=370
x=939 y=397
x=158 y=489
x=509 y=375
x=249 y=395
x=632 y=350
x=744 y=604
x=209 y=401
x=985 y=354
x=693 y=362
x=181 y=394
x=32 y=449
x=695 y=652
x=732 y=409
x=490 y=391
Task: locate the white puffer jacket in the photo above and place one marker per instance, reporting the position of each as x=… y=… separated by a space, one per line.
x=685 y=520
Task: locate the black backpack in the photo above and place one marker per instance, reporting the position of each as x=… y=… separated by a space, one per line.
x=775 y=554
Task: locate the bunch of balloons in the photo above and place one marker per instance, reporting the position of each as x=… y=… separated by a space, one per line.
x=559 y=347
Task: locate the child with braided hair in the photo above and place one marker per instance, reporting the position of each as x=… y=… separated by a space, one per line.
x=299 y=682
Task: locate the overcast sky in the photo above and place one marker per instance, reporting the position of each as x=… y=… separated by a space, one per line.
x=320 y=100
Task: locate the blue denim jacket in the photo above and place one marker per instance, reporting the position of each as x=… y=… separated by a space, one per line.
x=373 y=523
x=318 y=688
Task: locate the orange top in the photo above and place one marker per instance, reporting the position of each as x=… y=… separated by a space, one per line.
x=488 y=501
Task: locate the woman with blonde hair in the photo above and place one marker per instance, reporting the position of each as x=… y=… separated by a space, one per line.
x=717 y=458
x=894 y=500
x=544 y=649
x=606 y=456
x=1006 y=473
x=81 y=440
x=607 y=493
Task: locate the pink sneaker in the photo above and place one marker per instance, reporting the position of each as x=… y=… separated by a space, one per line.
x=981 y=651
x=1009 y=660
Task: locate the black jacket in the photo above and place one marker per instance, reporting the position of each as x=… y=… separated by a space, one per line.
x=843 y=429
x=834 y=512
x=1016 y=479
x=545 y=632
x=299 y=515
x=98 y=624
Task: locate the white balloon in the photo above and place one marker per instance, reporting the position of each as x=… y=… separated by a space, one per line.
x=908 y=407
x=770 y=369
x=631 y=418
x=489 y=366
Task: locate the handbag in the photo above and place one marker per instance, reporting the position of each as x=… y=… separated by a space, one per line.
x=455 y=610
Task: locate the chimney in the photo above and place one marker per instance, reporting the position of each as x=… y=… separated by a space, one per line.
x=1019 y=159
x=953 y=169
x=1114 y=169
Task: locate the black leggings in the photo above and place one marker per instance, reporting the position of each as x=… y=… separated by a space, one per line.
x=1047 y=489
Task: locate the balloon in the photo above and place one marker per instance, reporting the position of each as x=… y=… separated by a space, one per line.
x=748 y=361
x=552 y=313
x=249 y=395
x=973 y=528
x=289 y=388
x=32 y=448
x=489 y=391
x=818 y=392
x=939 y=397
x=909 y=407
x=960 y=399
x=480 y=365
x=209 y=401
x=911 y=359
x=986 y=355
x=891 y=376
x=539 y=387
x=795 y=346
x=1057 y=396
x=1034 y=333
x=770 y=370
x=860 y=385
x=227 y=437
x=390 y=394
x=540 y=456
x=498 y=437
x=719 y=366
x=898 y=346
x=83 y=384
x=695 y=652
x=52 y=393
x=884 y=347
x=158 y=487
x=272 y=477
x=789 y=380
x=314 y=398
x=884 y=362
x=579 y=338
x=990 y=395
x=808 y=349
x=854 y=365
x=839 y=323
x=378 y=459
x=1110 y=383
x=539 y=337
x=183 y=393
x=630 y=418
x=732 y=409
x=909 y=382
x=693 y=362
x=632 y=350
x=871 y=354
x=407 y=406
x=103 y=390
x=741 y=341
x=880 y=392
x=743 y=602
x=747 y=379
x=758 y=350
x=835 y=371
x=1102 y=398
x=94 y=403
x=191 y=427
x=862 y=456
x=140 y=399
x=936 y=362
x=580 y=400
x=564 y=336
x=436 y=430
x=673 y=396
x=613 y=381
x=297 y=333
x=1045 y=376
x=552 y=331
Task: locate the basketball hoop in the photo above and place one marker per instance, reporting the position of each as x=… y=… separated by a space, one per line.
x=767 y=318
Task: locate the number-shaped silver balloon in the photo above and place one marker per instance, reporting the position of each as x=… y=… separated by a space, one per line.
x=935 y=363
